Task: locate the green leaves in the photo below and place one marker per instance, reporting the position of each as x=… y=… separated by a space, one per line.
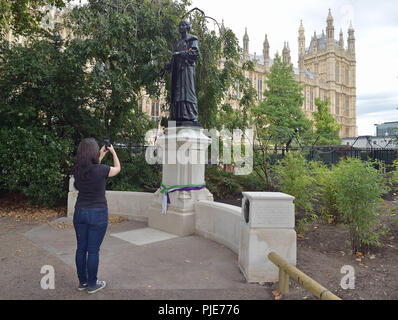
x=294 y=177
x=349 y=192
x=35 y=163
x=128 y=43
x=23 y=17
x=40 y=85
x=137 y=173
x=356 y=188
x=213 y=79
x=326 y=127
x=279 y=114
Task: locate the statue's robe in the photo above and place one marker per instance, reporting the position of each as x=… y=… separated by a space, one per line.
x=183 y=96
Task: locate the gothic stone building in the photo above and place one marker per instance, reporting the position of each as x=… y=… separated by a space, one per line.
x=326 y=69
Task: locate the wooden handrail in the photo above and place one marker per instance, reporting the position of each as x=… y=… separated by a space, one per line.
x=287 y=270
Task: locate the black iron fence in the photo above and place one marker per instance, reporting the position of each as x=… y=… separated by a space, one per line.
x=332 y=155
x=328 y=155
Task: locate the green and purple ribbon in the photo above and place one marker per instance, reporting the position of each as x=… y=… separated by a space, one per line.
x=166 y=190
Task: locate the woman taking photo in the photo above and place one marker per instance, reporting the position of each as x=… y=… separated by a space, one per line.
x=90 y=218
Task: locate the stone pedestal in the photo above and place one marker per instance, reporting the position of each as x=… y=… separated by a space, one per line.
x=267 y=225
x=183 y=154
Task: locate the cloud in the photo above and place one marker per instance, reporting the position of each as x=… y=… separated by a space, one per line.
x=377 y=102
x=366 y=122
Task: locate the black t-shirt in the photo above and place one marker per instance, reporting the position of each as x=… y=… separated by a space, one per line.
x=92 y=189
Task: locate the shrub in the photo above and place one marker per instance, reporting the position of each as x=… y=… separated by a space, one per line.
x=136 y=174
x=222 y=184
x=35 y=162
x=251 y=182
x=294 y=178
x=358 y=188
x=327 y=193
x=394 y=175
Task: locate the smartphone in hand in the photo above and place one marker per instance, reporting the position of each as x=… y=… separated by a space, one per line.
x=107 y=142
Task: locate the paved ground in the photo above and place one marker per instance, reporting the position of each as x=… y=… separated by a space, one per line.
x=177 y=268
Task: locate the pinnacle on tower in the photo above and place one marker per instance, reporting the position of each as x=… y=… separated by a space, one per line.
x=266 y=44
x=341 y=41
x=245 y=37
x=315 y=42
x=266 y=51
x=301 y=45
x=286 y=53
x=330 y=30
x=246 y=43
x=265 y=47
x=350 y=28
x=301 y=40
x=351 y=39
x=301 y=29
x=330 y=17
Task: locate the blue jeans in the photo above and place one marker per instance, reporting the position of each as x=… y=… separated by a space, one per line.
x=90 y=227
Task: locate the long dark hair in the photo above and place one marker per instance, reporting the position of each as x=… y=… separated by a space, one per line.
x=87 y=156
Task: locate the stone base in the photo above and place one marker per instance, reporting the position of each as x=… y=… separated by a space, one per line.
x=72 y=197
x=256 y=244
x=186 y=123
x=179 y=223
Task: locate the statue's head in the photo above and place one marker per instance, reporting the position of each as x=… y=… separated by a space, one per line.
x=184 y=26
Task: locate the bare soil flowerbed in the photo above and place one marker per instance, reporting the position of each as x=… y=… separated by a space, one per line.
x=325 y=248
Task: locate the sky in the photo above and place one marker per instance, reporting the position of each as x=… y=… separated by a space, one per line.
x=376 y=33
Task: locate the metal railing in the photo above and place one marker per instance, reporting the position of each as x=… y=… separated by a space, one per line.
x=287 y=270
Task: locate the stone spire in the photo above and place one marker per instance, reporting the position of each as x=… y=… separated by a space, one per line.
x=266 y=51
x=301 y=28
x=301 y=42
x=341 y=40
x=315 y=42
x=246 y=43
x=330 y=29
x=330 y=18
x=301 y=51
x=351 y=39
x=286 y=53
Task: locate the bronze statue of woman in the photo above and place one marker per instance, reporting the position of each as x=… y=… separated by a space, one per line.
x=184 y=104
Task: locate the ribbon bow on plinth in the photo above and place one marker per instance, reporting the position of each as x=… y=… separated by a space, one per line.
x=164 y=192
